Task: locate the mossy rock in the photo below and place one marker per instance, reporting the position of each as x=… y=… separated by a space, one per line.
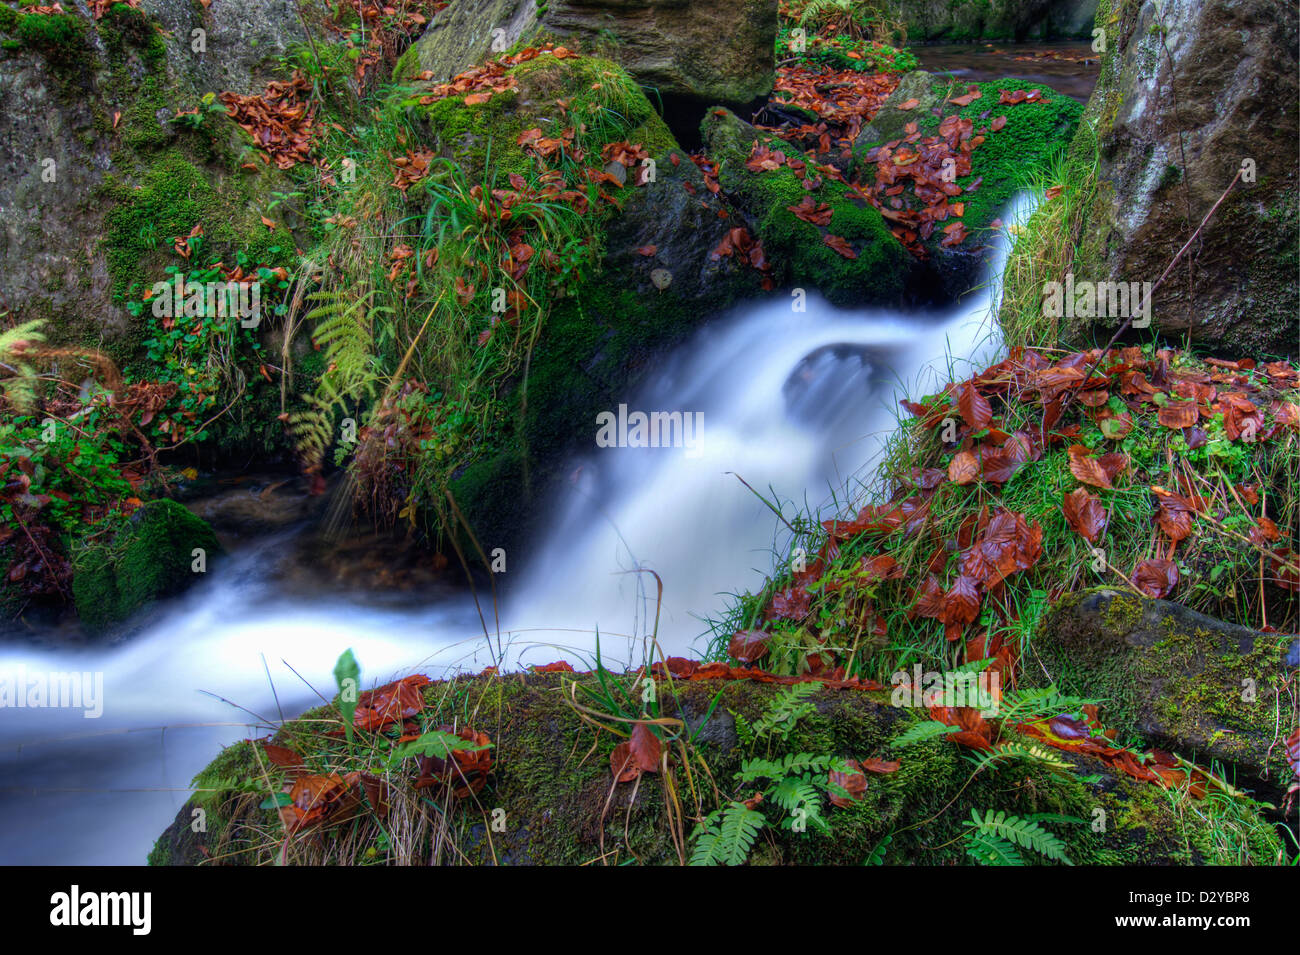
x=150 y=557
x=1005 y=163
x=551 y=786
x=796 y=248
x=483 y=138
x=1199 y=686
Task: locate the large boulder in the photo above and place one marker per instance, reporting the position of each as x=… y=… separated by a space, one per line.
x=707 y=53
x=796 y=249
x=656 y=280
x=1201 y=687
x=1187 y=95
x=96 y=175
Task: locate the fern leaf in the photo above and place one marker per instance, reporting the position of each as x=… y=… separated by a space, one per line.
x=927 y=729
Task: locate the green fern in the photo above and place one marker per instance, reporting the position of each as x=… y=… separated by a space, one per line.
x=992 y=839
x=925 y=730
x=343 y=328
x=986 y=848
x=726 y=836
x=787 y=708
x=1016 y=749
x=877 y=855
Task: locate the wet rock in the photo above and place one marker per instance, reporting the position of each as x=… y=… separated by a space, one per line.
x=1186 y=96
x=796 y=249
x=556 y=793
x=1198 y=686
x=1002 y=165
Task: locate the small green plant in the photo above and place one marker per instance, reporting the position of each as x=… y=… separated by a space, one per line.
x=795 y=783
x=992 y=839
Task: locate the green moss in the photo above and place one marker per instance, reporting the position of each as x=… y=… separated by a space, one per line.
x=1007 y=160
x=551 y=780
x=149 y=557
x=598 y=94
x=1179 y=680
x=795 y=248
x=173 y=197
x=59 y=37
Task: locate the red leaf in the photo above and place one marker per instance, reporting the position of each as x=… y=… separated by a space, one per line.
x=1084 y=513
x=974 y=407
x=1155 y=578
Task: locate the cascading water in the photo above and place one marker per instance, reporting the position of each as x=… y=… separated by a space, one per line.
x=795 y=403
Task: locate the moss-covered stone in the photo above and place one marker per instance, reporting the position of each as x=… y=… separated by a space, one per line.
x=1205 y=688
x=1161 y=156
x=150 y=556
x=796 y=248
x=552 y=786
x=1005 y=163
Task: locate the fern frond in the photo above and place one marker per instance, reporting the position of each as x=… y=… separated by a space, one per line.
x=987 y=848
x=1022 y=832
x=1016 y=749
x=726 y=837
x=927 y=729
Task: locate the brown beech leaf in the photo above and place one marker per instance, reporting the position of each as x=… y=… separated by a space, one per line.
x=840 y=245
x=623 y=764
x=645 y=748
x=974 y=407
x=1178 y=414
x=881 y=567
x=749 y=645
x=964 y=468
x=1084 y=513
x=1174 y=518
x=854 y=783
x=1086 y=468
x=1156 y=577
x=881 y=767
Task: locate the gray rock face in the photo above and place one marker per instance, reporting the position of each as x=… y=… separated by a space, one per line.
x=98 y=105
x=717 y=53
x=464 y=34
x=244 y=40
x=1186 y=98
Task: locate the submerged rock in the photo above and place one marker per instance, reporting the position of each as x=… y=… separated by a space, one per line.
x=1199 y=686
x=1190 y=92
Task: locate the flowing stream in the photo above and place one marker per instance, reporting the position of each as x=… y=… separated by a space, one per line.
x=794 y=402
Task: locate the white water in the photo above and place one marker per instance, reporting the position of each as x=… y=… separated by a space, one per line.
x=792 y=416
